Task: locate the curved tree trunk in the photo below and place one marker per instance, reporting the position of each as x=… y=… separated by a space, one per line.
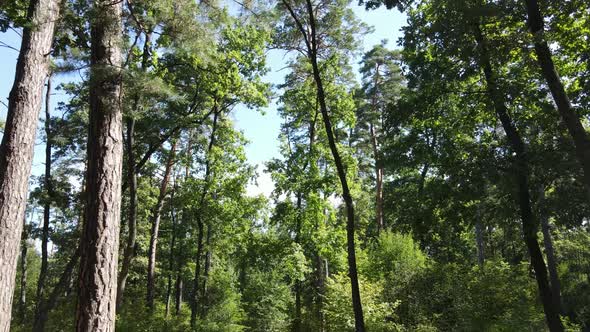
x=521 y=173
x=155 y=229
x=564 y=106
x=16 y=150
x=100 y=236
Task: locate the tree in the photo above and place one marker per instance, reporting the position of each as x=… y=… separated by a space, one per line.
x=318 y=36
x=16 y=150
x=100 y=235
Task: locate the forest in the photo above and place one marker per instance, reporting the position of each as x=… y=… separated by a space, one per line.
x=439 y=182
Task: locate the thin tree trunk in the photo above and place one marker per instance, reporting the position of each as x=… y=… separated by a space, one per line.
x=359 y=321
x=97 y=294
x=155 y=229
x=479 y=229
x=320 y=292
x=61 y=286
x=204 y=291
x=195 y=301
x=521 y=172
x=46 y=205
x=22 y=308
x=16 y=149
x=564 y=106
x=129 y=251
x=550 y=252
x=297 y=320
x=178 y=287
x=172 y=247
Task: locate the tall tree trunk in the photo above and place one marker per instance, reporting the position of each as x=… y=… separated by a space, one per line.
x=550 y=252
x=378 y=180
x=132 y=169
x=564 y=106
x=63 y=283
x=155 y=229
x=22 y=305
x=521 y=172
x=46 y=205
x=16 y=149
x=297 y=320
x=178 y=288
x=97 y=294
x=204 y=291
x=320 y=292
x=195 y=301
x=172 y=248
x=359 y=321
x=479 y=229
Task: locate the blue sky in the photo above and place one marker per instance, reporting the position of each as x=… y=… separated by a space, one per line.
x=260 y=129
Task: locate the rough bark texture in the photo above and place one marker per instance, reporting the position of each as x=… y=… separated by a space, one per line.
x=564 y=106
x=550 y=252
x=521 y=173
x=22 y=309
x=46 y=205
x=16 y=150
x=155 y=229
x=100 y=236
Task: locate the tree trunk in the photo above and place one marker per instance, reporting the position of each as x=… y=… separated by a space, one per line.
x=97 y=294
x=550 y=252
x=178 y=287
x=16 y=149
x=196 y=284
x=64 y=280
x=22 y=307
x=564 y=106
x=172 y=247
x=156 y=228
x=204 y=291
x=132 y=169
x=320 y=292
x=46 y=205
x=359 y=321
x=521 y=173
x=479 y=238
x=129 y=251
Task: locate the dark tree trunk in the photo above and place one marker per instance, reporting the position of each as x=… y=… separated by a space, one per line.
x=61 y=286
x=195 y=301
x=46 y=205
x=16 y=149
x=132 y=169
x=521 y=173
x=97 y=294
x=320 y=292
x=204 y=291
x=359 y=321
x=564 y=106
x=550 y=252
x=479 y=229
x=172 y=248
x=156 y=228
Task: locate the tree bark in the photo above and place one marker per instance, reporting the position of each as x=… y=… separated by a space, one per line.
x=564 y=106
x=46 y=205
x=155 y=229
x=132 y=169
x=521 y=173
x=22 y=309
x=359 y=321
x=100 y=236
x=16 y=149
x=550 y=252
x=204 y=291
